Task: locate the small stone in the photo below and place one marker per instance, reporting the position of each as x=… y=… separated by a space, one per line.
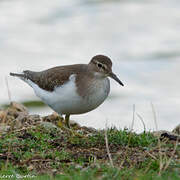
x=4 y=128
x=19 y=107
x=30 y=167
x=2 y=114
x=19 y=121
x=77 y=166
x=48 y=125
x=166 y=134
x=73 y=123
x=176 y=130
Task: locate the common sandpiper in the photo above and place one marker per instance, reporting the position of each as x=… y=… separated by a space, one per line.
x=72 y=89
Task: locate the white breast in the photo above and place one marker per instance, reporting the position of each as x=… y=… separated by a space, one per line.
x=65 y=99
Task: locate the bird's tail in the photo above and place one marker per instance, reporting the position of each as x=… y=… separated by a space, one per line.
x=17 y=75
x=25 y=75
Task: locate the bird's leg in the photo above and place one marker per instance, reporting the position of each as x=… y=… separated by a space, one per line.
x=67 y=120
x=61 y=124
x=68 y=128
x=74 y=133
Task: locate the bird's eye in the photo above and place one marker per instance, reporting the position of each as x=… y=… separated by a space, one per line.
x=100 y=65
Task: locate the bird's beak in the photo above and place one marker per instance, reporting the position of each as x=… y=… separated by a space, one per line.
x=113 y=76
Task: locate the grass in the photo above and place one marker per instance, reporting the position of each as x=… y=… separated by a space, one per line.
x=28 y=104
x=41 y=151
x=38 y=152
x=99 y=172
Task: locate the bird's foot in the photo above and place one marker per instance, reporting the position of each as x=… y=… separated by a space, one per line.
x=69 y=128
x=60 y=121
x=64 y=124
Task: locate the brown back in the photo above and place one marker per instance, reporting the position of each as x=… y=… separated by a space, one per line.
x=57 y=76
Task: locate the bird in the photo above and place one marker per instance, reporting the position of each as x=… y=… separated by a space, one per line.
x=72 y=89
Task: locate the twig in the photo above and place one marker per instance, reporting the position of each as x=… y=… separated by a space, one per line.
x=140 y=117
x=170 y=159
x=7 y=160
x=5 y=116
x=154 y=115
x=161 y=164
x=148 y=153
x=107 y=147
x=8 y=89
x=9 y=97
x=132 y=123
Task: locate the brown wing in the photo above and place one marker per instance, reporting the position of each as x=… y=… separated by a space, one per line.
x=57 y=76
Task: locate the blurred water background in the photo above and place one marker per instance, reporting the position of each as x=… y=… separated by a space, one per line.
x=141 y=37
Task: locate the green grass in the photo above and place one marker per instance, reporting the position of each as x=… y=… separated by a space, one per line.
x=41 y=152
x=33 y=104
x=124 y=137
x=101 y=172
x=28 y=104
